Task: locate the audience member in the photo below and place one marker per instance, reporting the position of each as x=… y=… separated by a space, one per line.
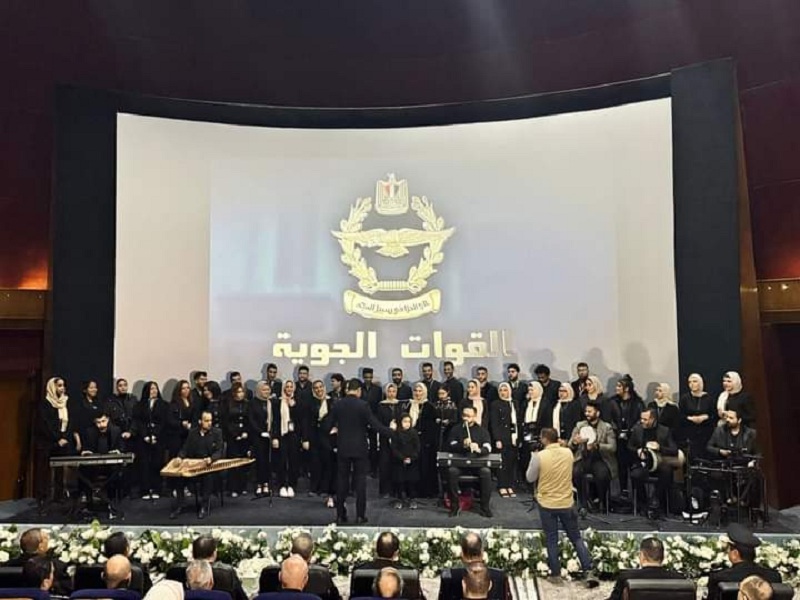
x=754 y=588
x=303 y=546
x=36 y=542
x=388 y=583
x=166 y=590
x=117 y=543
x=294 y=574
x=199 y=575
x=39 y=573
x=476 y=582
x=471 y=553
x=205 y=548
x=742 y=546
x=387 y=553
x=117 y=573
x=651 y=557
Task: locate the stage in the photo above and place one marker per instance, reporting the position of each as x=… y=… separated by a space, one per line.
x=303 y=510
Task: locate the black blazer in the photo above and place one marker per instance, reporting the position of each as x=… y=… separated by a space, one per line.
x=485 y=416
x=669 y=416
x=737 y=573
x=500 y=425
x=644 y=573
x=48 y=430
x=455 y=389
x=352 y=418
x=666 y=444
x=148 y=423
x=742 y=403
x=257 y=416
x=91 y=438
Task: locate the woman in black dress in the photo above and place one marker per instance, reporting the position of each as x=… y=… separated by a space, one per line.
x=260 y=417
x=235 y=419
x=55 y=435
x=733 y=397
x=316 y=439
x=423 y=419
x=504 y=421
x=566 y=413
x=180 y=419
x=150 y=418
x=286 y=440
x=698 y=418
x=85 y=409
x=669 y=415
x=405 y=463
x=389 y=409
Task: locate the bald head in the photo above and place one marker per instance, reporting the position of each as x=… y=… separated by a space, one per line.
x=303 y=546
x=755 y=588
x=471 y=547
x=294 y=573
x=199 y=575
x=117 y=572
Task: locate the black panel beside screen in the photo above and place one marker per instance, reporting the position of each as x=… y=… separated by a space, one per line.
x=706 y=241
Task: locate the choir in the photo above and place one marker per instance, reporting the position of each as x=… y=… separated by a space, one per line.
x=286 y=427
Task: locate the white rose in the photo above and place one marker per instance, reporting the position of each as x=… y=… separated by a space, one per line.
x=4 y=557
x=515 y=547
x=424 y=557
x=573 y=566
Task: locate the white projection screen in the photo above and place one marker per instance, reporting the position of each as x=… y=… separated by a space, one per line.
x=542 y=240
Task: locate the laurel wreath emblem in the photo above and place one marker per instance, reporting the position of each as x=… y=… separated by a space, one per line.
x=418 y=274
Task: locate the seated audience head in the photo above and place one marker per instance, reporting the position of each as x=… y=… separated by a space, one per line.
x=754 y=588
x=476 y=582
x=387 y=546
x=204 y=548
x=294 y=573
x=116 y=543
x=166 y=590
x=742 y=544
x=117 y=572
x=651 y=552
x=388 y=583
x=39 y=572
x=471 y=547
x=303 y=546
x=34 y=541
x=199 y=575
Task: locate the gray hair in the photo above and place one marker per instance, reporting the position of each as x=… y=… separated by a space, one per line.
x=199 y=575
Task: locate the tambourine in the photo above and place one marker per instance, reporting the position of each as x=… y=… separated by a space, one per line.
x=588 y=433
x=650 y=460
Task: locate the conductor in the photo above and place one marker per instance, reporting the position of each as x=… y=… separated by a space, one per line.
x=351 y=418
x=472 y=439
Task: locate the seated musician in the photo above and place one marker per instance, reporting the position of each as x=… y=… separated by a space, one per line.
x=648 y=435
x=103 y=438
x=473 y=440
x=597 y=458
x=733 y=439
x=203 y=444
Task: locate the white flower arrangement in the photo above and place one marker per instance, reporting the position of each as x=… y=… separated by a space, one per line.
x=520 y=553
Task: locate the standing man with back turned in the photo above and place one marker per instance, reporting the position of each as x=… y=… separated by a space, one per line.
x=350 y=420
x=554 y=496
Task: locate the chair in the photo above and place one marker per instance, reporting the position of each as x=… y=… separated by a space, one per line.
x=657 y=589
x=90 y=577
x=112 y=594
x=362 y=580
x=11 y=577
x=651 y=480
x=207 y=595
x=729 y=590
x=319 y=580
x=27 y=593
x=587 y=479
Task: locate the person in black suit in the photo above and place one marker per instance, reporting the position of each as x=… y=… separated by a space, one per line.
x=518 y=388
x=149 y=421
x=372 y=395
x=579 y=384
x=550 y=386
x=350 y=420
x=235 y=418
x=742 y=546
x=430 y=383
x=85 y=409
x=504 y=425
x=645 y=436
x=260 y=417
x=668 y=413
x=117 y=543
x=732 y=439
x=697 y=418
x=103 y=438
x=454 y=387
x=275 y=384
x=200 y=379
x=235 y=377
x=473 y=440
x=387 y=554
x=487 y=390
x=651 y=557
x=734 y=398
x=205 y=548
x=423 y=420
x=54 y=435
x=303 y=546
x=403 y=389
x=472 y=552
x=36 y=543
x=204 y=442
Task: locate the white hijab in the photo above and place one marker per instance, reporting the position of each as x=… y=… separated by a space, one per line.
x=57 y=402
x=666 y=395
x=286 y=404
x=261 y=384
x=535 y=391
x=507 y=385
x=722 y=399
x=477 y=401
x=557 y=409
x=415 y=407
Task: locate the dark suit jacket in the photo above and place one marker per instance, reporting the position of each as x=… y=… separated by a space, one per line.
x=62 y=583
x=737 y=573
x=451 y=589
x=643 y=573
x=91 y=438
x=289 y=595
x=666 y=444
x=722 y=439
x=352 y=417
x=455 y=388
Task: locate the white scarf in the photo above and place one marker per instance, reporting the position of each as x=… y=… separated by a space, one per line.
x=323 y=408
x=513 y=422
x=478 y=404
x=532 y=410
x=414 y=410
x=722 y=399
x=59 y=403
x=285 y=415
x=557 y=414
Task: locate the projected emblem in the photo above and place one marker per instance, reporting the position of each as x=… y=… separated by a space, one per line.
x=391 y=200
